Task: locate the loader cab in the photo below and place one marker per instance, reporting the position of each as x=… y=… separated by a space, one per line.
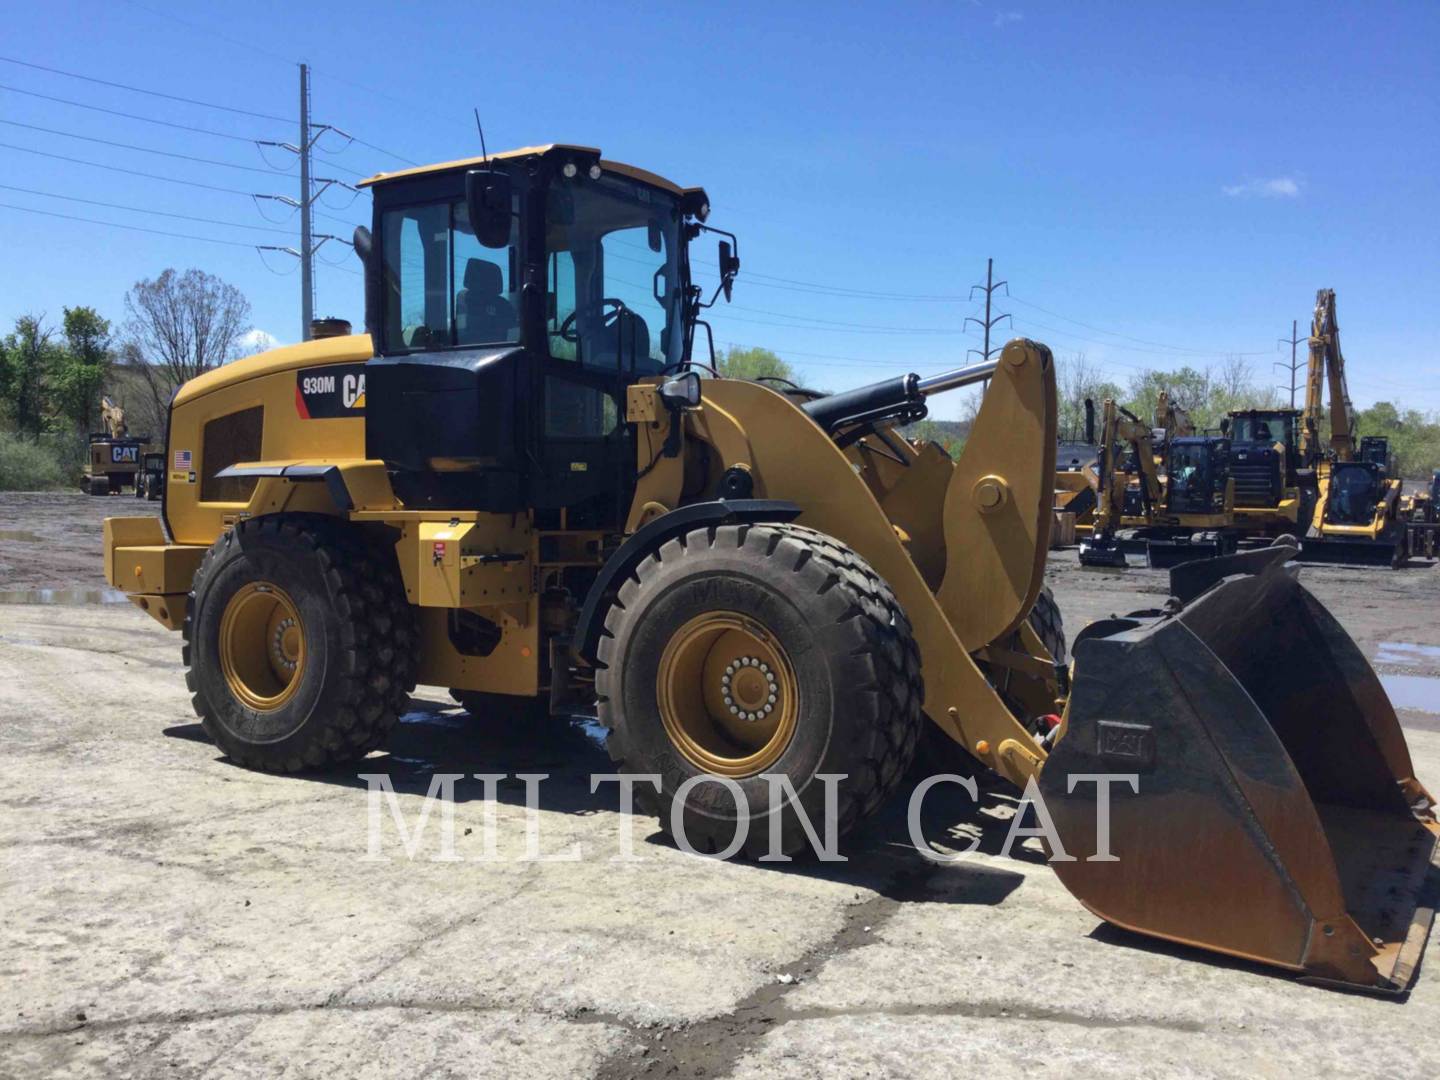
x=512 y=300
x=1376 y=450
x=1197 y=470
x=1356 y=488
x=1264 y=454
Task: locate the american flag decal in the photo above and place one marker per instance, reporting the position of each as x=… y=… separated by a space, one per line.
x=182 y=459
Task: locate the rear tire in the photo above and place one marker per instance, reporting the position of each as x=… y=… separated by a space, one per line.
x=1045 y=620
x=299 y=644
x=942 y=754
x=818 y=648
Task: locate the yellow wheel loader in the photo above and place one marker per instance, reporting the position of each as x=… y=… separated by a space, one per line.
x=516 y=484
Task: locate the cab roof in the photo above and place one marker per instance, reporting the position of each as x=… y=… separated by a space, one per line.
x=560 y=149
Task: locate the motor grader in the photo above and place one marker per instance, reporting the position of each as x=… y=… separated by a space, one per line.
x=517 y=485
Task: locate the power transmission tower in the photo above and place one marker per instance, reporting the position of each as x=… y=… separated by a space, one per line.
x=1293 y=340
x=309 y=193
x=988 y=288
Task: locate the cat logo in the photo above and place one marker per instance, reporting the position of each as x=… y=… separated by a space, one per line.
x=330 y=392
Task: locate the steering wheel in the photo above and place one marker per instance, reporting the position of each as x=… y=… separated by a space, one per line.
x=607 y=318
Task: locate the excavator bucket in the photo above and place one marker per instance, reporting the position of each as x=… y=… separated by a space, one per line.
x=1274 y=815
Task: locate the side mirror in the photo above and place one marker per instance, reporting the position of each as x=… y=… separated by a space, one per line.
x=487 y=198
x=1225 y=426
x=681 y=392
x=654 y=236
x=729 y=267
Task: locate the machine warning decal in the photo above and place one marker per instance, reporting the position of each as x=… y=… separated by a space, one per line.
x=331 y=392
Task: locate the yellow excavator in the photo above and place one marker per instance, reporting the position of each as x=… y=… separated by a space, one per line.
x=517 y=485
x=1182 y=504
x=115 y=455
x=1357 y=515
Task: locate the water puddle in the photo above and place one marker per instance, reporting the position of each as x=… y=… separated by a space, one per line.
x=1403 y=652
x=591 y=728
x=62 y=596
x=20 y=535
x=1418 y=692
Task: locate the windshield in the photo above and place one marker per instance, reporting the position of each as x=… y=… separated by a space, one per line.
x=1261 y=429
x=1354 y=493
x=614 y=274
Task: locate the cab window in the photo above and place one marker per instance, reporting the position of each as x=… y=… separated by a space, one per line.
x=442 y=286
x=614 y=271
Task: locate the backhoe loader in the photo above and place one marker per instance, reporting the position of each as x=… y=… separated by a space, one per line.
x=1357 y=506
x=517 y=485
x=1183 y=503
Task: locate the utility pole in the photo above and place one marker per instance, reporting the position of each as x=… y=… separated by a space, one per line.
x=1293 y=340
x=307 y=251
x=988 y=288
x=311 y=188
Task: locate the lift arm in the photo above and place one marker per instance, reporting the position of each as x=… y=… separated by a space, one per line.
x=1119 y=426
x=1327 y=364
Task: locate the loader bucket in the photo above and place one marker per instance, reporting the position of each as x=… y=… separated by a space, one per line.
x=1358 y=551
x=1277 y=816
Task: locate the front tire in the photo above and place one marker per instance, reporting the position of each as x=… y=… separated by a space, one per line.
x=749 y=651
x=299 y=644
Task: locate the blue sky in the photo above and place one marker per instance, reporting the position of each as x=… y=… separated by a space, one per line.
x=1160 y=183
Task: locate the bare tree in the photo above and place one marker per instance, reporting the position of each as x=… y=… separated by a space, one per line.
x=180 y=326
x=1079 y=378
x=1234 y=376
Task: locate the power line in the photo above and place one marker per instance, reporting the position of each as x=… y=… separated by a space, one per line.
x=141 y=149
x=128 y=116
x=143 y=210
x=151 y=93
x=130 y=172
x=1127 y=337
x=132 y=228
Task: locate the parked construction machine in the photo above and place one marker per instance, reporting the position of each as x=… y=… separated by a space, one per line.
x=114 y=453
x=517 y=485
x=1181 y=506
x=1357 y=502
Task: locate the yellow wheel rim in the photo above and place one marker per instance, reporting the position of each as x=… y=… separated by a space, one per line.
x=728 y=695
x=262 y=646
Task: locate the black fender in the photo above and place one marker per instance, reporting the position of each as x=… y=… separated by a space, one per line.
x=649 y=538
x=329 y=475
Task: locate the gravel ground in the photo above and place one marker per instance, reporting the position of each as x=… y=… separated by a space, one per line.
x=168 y=913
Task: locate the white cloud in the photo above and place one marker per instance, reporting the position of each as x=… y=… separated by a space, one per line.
x=255 y=341
x=1280 y=187
x=1005 y=18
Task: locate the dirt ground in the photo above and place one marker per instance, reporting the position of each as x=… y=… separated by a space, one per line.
x=167 y=913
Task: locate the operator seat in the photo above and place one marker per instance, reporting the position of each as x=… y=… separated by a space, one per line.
x=625 y=339
x=482 y=313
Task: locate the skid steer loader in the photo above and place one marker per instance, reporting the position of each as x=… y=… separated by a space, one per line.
x=517 y=485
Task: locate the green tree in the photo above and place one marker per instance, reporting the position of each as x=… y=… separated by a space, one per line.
x=753 y=363
x=80 y=370
x=29 y=356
